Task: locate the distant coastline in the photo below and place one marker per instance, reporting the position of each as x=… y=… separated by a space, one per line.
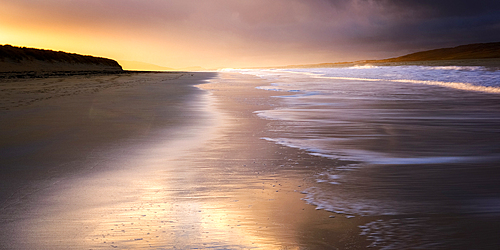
x=30 y=61
x=479 y=54
x=22 y=62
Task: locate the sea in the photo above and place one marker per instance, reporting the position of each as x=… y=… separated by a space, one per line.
x=417 y=148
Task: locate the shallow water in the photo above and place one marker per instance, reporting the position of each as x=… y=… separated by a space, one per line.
x=414 y=139
x=158 y=165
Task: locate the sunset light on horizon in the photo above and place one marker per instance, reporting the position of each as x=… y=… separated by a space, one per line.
x=222 y=33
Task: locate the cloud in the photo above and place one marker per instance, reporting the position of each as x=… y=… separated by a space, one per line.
x=278 y=31
x=444 y=8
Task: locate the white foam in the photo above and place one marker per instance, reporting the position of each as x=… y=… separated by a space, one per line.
x=432 y=160
x=377 y=158
x=483 y=205
x=348 y=205
x=469 y=68
x=366 y=66
x=469 y=78
x=453 y=85
x=268 y=88
x=304 y=114
x=407 y=233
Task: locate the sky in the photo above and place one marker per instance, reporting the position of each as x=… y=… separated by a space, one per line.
x=247 y=33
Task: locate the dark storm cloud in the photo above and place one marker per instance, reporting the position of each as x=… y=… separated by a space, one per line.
x=426 y=8
x=446 y=8
x=410 y=25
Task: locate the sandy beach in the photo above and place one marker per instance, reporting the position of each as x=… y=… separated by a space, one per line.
x=187 y=161
x=135 y=161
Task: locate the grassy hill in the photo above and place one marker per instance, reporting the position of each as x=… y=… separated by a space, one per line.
x=470 y=51
x=22 y=59
x=480 y=54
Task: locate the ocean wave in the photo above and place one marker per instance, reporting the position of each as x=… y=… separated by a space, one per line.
x=366 y=66
x=453 y=85
x=463 y=68
x=468 y=78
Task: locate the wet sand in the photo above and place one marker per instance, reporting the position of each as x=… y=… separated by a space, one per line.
x=150 y=161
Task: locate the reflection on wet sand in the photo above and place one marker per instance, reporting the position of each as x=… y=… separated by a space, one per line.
x=211 y=182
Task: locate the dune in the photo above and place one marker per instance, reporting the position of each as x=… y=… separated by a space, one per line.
x=22 y=59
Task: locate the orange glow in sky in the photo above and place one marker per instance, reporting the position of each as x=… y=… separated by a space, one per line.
x=229 y=33
x=175 y=34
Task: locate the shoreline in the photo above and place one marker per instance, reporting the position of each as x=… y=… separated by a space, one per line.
x=201 y=177
x=29 y=75
x=282 y=173
x=492 y=64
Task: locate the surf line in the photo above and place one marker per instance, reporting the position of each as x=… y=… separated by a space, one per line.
x=454 y=85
